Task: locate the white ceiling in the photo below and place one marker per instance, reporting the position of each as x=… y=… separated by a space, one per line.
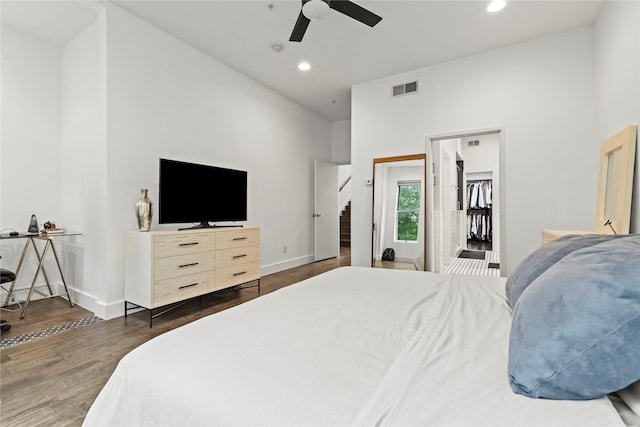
x=341 y=51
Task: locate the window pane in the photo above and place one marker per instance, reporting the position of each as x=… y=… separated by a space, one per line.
x=408 y=226
x=409 y=197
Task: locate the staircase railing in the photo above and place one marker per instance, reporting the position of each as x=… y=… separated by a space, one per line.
x=346 y=181
x=345 y=194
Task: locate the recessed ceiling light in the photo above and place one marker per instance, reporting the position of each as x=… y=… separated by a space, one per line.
x=496 y=5
x=304 y=66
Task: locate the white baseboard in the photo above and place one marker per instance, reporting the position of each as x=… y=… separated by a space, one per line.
x=285 y=265
x=109 y=311
x=86 y=301
x=89 y=302
x=398 y=259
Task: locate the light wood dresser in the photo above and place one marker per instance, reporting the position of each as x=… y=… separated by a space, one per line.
x=164 y=267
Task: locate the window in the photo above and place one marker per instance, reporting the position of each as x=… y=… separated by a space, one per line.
x=408 y=211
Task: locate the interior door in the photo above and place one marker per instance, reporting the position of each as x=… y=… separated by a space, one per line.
x=326 y=213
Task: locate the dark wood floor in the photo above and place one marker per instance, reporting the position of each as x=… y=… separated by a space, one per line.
x=54 y=380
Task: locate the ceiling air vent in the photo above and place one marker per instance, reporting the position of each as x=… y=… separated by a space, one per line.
x=405 y=89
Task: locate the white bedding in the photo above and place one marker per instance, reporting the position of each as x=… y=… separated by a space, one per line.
x=354 y=346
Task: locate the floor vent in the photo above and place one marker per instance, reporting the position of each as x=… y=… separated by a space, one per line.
x=405 y=89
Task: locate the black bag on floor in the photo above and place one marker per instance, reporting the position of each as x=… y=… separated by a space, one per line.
x=389 y=254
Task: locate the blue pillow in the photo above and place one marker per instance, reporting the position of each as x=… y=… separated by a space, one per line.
x=544 y=257
x=575 y=332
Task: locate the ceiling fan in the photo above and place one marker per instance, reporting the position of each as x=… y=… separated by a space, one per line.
x=318 y=9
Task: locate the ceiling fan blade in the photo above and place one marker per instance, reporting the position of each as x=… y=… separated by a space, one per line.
x=299 y=29
x=356 y=12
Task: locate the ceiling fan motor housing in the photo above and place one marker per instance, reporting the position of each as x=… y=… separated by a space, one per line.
x=318 y=9
x=315 y=9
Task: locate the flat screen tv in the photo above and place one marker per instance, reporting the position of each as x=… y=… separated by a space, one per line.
x=202 y=194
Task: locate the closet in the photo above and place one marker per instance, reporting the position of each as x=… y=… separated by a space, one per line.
x=479 y=218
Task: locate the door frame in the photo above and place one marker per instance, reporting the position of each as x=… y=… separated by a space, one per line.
x=429 y=139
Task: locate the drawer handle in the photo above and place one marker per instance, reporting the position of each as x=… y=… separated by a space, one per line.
x=189 y=244
x=240 y=274
x=239 y=256
x=239 y=238
x=188 y=286
x=188 y=265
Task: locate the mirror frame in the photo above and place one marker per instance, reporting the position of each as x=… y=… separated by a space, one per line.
x=625 y=141
x=380 y=160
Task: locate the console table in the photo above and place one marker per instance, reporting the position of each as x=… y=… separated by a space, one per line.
x=30 y=242
x=165 y=267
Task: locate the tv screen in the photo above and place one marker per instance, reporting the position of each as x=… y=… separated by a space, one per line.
x=190 y=192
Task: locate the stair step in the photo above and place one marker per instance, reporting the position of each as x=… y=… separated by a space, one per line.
x=345 y=226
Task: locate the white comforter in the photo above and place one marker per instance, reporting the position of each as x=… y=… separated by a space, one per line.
x=354 y=346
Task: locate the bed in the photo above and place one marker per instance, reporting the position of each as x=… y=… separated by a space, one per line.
x=353 y=346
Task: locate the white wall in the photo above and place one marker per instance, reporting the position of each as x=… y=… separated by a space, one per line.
x=541 y=91
x=341 y=142
x=166 y=99
x=128 y=94
x=84 y=164
x=617 y=45
x=30 y=141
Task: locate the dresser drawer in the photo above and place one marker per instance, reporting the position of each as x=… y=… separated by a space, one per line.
x=180 y=288
x=184 y=264
x=237 y=274
x=237 y=238
x=178 y=244
x=235 y=256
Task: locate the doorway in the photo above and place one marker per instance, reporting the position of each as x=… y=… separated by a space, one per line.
x=466 y=209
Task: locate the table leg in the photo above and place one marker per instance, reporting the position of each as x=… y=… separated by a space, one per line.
x=46 y=278
x=33 y=283
x=55 y=255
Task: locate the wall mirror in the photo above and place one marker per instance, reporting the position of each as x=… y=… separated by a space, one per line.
x=398 y=214
x=615 y=182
